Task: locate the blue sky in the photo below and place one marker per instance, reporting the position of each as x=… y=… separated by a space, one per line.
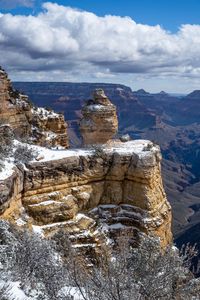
x=47 y=42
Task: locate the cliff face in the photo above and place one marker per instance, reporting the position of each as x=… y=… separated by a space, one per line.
x=11 y=195
x=87 y=192
x=49 y=128
x=44 y=127
x=113 y=188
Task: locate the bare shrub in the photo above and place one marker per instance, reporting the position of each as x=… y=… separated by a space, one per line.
x=120 y=273
x=24 y=154
x=1 y=165
x=98 y=151
x=6 y=140
x=5 y=291
x=134 y=273
x=189 y=254
x=31 y=260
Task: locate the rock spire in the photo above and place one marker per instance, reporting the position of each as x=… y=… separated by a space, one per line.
x=99 y=123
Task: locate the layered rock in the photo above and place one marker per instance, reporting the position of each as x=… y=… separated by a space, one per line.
x=87 y=192
x=11 y=194
x=99 y=123
x=15 y=110
x=44 y=127
x=49 y=128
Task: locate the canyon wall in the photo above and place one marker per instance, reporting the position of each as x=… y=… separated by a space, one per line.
x=116 y=188
x=11 y=189
x=37 y=125
x=93 y=193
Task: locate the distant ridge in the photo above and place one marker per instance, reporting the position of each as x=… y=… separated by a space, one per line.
x=194 y=95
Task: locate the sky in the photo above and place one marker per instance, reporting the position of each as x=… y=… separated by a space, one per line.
x=149 y=44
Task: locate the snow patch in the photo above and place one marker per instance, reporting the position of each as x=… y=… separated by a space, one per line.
x=14 y=291
x=7 y=170
x=128 y=148
x=96 y=107
x=48 y=202
x=20 y=222
x=38 y=230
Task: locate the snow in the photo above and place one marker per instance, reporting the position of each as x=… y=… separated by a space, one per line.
x=84 y=245
x=20 y=222
x=86 y=233
x=54 y=194
x=128 y=148
x=40 y=228
x=116 y=226
x=107 y=206
x=72 y=291
x=22 y=101
x=14 y=292
x=136 y=147
x=37 y=230
x=96 y=107
x=51 y=135
x=82 y=216
x=55 y=154
x=48 y=202
x=7 y=170
x=44 y=113
x=84 y=195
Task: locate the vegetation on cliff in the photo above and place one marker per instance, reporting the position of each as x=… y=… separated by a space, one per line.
x=42 y=269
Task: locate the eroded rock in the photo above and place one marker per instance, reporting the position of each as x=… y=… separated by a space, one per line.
x=122 y=189
x=99 y=123
x=43 y=127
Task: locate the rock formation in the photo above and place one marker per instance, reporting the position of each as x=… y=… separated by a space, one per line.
x=116 y=187
x=85 y=191
x=99 y=123
x=44 y=127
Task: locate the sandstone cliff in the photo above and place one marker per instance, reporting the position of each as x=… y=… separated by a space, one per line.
x=93 y=193
x=44 y=127
x=88 y=192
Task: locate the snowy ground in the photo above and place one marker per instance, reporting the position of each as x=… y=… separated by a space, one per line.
x=7 y=170
x=16 y=293
x=138 y=147
x=130 y=147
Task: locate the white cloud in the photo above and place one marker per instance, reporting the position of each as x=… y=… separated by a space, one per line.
x=79 y=44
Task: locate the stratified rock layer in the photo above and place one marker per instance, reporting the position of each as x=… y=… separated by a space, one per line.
x=43 y=126
x=99 y=123
x=85 y=192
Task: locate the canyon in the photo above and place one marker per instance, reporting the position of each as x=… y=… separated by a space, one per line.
x=93 y=192
x=172 y=121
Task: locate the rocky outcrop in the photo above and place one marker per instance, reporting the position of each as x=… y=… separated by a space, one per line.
x=44 y=127
x=49 y=128
x=15 y=110
x=99 y=123
x=11 y=189
x=116 y=188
